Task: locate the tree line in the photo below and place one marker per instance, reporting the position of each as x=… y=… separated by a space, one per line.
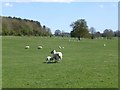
x=21 y=27
x=16 y=26
x=81 y=30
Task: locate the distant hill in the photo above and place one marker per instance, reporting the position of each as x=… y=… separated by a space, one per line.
x=15 y=26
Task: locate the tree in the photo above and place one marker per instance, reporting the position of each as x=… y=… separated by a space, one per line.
x=97 y=34
x=19 y=27
x=65 y=34
x=72 y=34
x=80 y=29
x=57 y=33
x=108 y=33
x=92 y=31
x=48 y=31
x=117 y=33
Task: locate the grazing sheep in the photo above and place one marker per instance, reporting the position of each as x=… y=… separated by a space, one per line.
x=40 y=47
x=57 y=53
x=27 y=47
x=59 y=47
x=104 y=45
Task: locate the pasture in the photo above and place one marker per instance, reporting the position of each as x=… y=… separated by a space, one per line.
x=86 y=64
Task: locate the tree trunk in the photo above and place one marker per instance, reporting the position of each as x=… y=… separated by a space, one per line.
x=78 y=37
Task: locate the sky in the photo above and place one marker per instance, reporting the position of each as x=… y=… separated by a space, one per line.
x=60 y=14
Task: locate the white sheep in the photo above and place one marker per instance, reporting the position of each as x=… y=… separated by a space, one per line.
x=104 y=45
x=27 y=47
x=57 y=53
x=59 y=47
x=49 y=58
x=40 y=47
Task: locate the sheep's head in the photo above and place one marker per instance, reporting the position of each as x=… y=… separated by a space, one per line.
x=53 y=52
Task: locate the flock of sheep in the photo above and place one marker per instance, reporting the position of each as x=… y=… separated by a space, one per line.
x=27 y=47
x=56 y=56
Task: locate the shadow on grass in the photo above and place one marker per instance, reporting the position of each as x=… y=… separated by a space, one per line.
x=50 y=62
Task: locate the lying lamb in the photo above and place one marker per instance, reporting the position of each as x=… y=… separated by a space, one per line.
x=53 y=58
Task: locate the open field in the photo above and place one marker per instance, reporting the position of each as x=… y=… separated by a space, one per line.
x=0 y=62
x=85 y=64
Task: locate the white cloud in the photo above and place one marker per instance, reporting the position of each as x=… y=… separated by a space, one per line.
x=8 y=4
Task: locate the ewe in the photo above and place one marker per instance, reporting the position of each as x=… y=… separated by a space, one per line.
x=27 y=47
x=57 y=54
x=104 y=45
x=59 y=47
x=40 y=47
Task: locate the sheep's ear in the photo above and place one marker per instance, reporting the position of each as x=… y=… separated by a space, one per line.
x=51 y=52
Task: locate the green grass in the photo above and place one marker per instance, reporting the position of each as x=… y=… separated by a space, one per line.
x=0 y=62
x=85 y=64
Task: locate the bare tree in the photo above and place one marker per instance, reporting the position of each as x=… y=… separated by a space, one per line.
x=92 y=31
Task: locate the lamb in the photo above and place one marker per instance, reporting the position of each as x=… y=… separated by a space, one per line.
x=27 y=47
x=55 y=57
x=49 y=58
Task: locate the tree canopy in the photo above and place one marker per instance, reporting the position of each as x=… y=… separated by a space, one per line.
x=21 y=27
x=108 y=33
x=57 y=32
x=92 y=31
x=80 y=29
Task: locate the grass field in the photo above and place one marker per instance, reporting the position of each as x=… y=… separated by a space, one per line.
x=85 y=64
x=0 y=62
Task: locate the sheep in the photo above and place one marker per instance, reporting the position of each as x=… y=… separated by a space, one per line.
x=55 y=57
x=59 y=47
x=27 y=47
x=104 y=45
x=49 y=58
x=40 y=47
x=57 y=53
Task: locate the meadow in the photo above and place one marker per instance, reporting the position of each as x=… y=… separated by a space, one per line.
x=86 y=63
